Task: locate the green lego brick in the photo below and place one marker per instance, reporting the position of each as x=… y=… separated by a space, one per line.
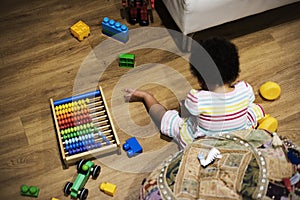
x=31 y=191
x=126 y=60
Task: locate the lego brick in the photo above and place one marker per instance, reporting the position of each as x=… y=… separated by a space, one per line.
x=108 y=188
x=31 y=191
x=126 y=60
x=80 y=30
x=132 y=147
x=115 y=29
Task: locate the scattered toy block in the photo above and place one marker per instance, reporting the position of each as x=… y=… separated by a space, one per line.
x=126 y=60
x=270 y=90
x=268 y=123
x=115 y=29
x=108 y=188
x=80 y=30
x=31 y=191
x=132 y=147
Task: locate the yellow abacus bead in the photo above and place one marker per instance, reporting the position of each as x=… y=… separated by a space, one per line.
x=63 y=106
x=87 y=100
x=56 y=108
x=59 y=107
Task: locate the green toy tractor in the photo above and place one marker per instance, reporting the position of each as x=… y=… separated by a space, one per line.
x=84 y=170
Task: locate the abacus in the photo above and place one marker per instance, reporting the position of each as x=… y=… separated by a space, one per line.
x=84 y=127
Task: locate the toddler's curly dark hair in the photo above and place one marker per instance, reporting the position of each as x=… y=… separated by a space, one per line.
x=225 y=56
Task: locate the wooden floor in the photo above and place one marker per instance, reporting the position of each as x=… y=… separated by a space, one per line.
x=41 y=60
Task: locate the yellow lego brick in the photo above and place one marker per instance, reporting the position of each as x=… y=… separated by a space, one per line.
x=80 y=30
x=108 y=188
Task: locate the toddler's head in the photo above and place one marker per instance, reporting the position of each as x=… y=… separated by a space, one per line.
x=225 y=57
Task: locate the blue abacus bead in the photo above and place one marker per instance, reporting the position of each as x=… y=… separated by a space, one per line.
x=74 y=151
x=98 y=144
x=100 y=133
x=107 y=142
x=80 y=144
x=84 y=148
x=71 y=146
x=73 y=140
x=76 y=139
x=67 y=147
x=85 y=142
x=70 y=152
x=66 y=142
x=76 y=145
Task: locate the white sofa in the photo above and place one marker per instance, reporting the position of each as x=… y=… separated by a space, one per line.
x=196 y=15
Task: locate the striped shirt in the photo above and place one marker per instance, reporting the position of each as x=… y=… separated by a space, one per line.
x=216 y=113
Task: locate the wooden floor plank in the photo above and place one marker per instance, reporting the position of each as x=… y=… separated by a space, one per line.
x=40 y=59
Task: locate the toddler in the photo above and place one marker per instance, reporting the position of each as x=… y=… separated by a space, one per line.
x=221 y=105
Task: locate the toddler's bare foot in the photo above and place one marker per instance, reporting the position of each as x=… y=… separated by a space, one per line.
x=134 y=95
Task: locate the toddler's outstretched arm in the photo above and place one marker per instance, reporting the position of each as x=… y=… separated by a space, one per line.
x=155 y=109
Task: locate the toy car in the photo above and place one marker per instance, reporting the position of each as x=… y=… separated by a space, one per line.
x=137 y=11
x=84 y=170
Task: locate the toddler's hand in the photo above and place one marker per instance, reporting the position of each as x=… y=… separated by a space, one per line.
x=128 y=94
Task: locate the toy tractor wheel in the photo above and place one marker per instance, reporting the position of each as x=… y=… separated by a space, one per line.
x=83 y=194
x=80 y=164
x=67 y=188
x=96 y=171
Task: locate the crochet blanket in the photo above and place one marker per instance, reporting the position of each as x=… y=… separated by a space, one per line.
x=244 y=171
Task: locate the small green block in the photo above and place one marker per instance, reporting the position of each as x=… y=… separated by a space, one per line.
x=31 y=191
x=126 y=60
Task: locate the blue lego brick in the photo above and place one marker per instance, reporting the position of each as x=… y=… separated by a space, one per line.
x=115 y=29
x=132 y=147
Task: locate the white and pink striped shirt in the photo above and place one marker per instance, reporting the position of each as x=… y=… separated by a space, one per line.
x=215 y=113
x=224 y=112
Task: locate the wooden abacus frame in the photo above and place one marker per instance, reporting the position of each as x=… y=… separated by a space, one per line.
x=72 y=159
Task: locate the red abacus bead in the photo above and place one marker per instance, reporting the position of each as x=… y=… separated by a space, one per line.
x=69 y=120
